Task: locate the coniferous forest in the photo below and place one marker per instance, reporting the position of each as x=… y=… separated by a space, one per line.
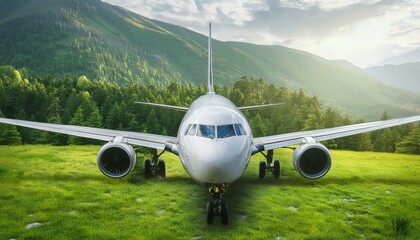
x=81 y=101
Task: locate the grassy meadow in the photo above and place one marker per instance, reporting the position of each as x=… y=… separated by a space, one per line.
x=51 y=192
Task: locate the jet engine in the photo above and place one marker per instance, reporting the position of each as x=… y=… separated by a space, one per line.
x=312 y=160
x=116 y=159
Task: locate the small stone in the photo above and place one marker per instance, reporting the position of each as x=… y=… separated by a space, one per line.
x=33 y=225
x=160 y=211
x=293 y=208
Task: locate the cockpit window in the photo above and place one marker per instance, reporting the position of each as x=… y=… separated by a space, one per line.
x=239 y=129
x=191 y=130
x=225 y=131
x=207 y=131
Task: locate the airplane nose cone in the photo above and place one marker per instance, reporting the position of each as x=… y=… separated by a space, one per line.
x=217 y=161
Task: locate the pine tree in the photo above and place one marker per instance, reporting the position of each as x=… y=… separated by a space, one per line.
x=9 y=135
x=385 y=116
x=387 y=141
x=152 y=123
x=94 y=119
x=411 y=143
x=133 y=125
x=259 y=125
x=332 y=118
x=113 y=120
x=2 y=94
x=78 y=120
x=56 y=139
x=54 y=111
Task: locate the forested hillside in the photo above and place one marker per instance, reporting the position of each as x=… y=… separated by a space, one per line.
x=92 y=38
x=80 y=101
x=107 y=43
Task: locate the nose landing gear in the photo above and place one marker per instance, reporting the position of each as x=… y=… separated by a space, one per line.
x=217 y=208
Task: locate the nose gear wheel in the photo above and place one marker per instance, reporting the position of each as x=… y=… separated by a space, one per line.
x=217 y=207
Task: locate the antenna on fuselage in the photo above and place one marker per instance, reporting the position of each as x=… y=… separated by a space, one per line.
x=210 y=73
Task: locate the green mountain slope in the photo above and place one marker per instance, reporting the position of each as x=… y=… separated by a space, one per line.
x=101 y=41
x=90 y=38
x=405 y=76
x=339 y=83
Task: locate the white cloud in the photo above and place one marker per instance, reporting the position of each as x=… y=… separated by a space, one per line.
x=360 y=31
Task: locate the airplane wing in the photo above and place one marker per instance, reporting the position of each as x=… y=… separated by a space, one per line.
x=140 y=139
x=260 y=106
x=183 y=109
x=287 y=139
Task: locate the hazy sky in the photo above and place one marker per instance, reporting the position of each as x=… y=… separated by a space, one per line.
x=362 y=32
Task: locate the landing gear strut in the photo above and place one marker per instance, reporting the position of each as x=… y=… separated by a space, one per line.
x=217 y=208
x=269 y=166
x=156 y=164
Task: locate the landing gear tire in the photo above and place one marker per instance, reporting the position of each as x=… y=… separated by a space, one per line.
x=263 y=167
x=210 y=212
x=161 y=171
x=224 y=213
x=276 y=169
x=147 y=168
x=217 y=208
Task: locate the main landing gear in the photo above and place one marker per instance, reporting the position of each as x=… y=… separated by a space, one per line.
x=217 y=208
x=269 y=165
x=155 y=164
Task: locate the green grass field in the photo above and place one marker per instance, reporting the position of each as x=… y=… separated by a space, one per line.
x=364 y=196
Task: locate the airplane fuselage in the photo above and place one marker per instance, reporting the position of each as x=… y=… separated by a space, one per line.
x=214 y=140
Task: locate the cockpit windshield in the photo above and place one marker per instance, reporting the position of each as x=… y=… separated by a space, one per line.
x=225 y=131
x=209 y=131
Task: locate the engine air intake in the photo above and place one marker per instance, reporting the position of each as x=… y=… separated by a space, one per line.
x=312 y=160
x=115 y=160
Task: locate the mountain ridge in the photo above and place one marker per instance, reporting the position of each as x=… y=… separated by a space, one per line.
x=107 y=42
x=405 y=76
x=408 y=57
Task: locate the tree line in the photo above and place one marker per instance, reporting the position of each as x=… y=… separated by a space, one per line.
x=81 y=101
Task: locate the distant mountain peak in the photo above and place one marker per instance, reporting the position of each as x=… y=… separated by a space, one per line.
x=408 y=57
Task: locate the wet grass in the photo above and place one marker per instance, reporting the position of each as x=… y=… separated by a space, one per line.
x=364 y=196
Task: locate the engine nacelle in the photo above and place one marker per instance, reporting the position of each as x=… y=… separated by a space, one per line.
x=312 y=160
x=116 y=159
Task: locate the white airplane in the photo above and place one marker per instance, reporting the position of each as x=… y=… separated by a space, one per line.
x=214 y=143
